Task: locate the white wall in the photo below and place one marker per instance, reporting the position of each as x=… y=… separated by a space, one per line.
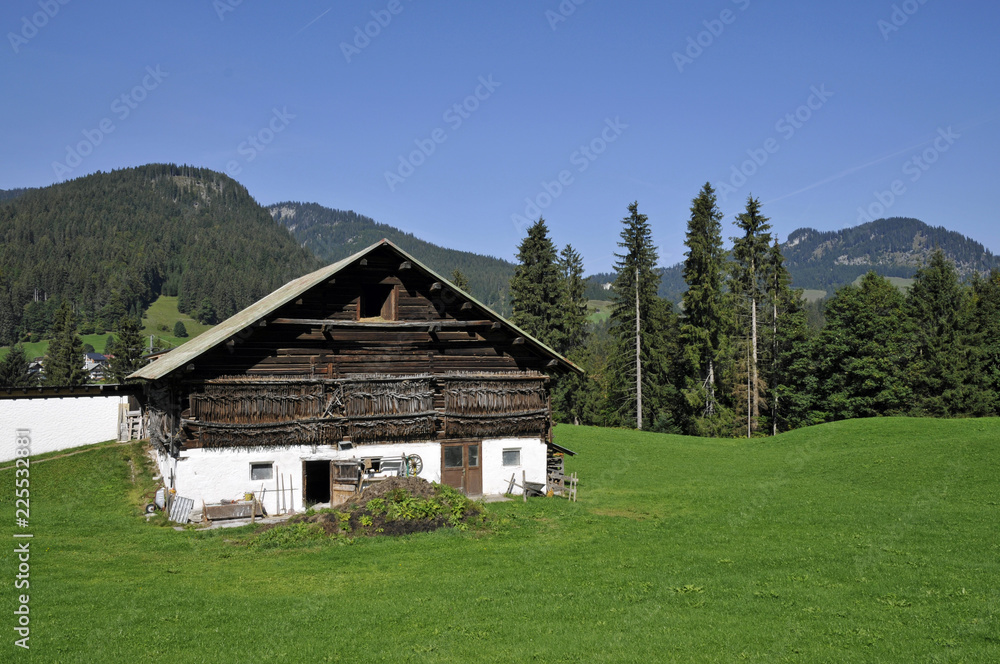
x=496 y=476
x=58 y=424
x=211 y=475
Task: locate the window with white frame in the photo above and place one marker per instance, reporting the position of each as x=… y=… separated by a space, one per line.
x=512 y=456
x=262 y=471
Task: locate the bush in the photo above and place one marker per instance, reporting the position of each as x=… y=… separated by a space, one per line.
x=180 y=330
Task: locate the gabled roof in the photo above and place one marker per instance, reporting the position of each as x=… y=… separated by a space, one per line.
x=260 y=309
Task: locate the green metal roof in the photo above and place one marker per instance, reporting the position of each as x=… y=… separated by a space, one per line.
x=225 y=330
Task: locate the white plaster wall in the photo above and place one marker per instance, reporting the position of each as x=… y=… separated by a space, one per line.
x=496 y=476
x=211 y=475
x=58 y=424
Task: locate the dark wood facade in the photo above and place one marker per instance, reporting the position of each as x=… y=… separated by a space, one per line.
x=382 y=350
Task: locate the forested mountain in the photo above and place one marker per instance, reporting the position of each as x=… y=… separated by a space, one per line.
x=895 y=247
x=334 y=234
x=110 y=243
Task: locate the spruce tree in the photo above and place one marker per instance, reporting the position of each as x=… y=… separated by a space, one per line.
x=703 y=324
x=985 y=343
x=179 y=330
x=641 y=324
x=939 y=314
x=573 y=307
x=14 y=368
x=459 y=279
x=535 y=288
x=862 y=352
x=129 y=348
x=748 y=283
x=64 y=361
x=787 y=332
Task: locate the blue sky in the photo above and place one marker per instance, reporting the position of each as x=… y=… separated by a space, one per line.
x=456 y=121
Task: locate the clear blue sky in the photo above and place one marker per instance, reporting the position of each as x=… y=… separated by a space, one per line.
x=658 y=113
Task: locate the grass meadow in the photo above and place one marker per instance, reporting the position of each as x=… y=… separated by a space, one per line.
x=858 y=541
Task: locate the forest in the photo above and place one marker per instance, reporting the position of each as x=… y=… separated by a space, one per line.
x=739 y=357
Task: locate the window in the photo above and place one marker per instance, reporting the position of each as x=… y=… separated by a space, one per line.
x=377 y=301
x=473 y=456
x=512 y=457
x=453 y=456
x=262 y=471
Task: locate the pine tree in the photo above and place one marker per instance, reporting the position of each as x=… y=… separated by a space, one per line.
x=535 y=288
x=641 y=323
x=64 y=361
x=573 y=307
x=459 y=279
x=179 y=330
x=861 y=354
x=939 y=314
x=703 y=324
x=14 y=368
x=985 y=343
x=748 y=283
x=788 y=331
x=129 y=348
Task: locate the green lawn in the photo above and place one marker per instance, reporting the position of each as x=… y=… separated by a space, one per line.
x=598 y=310
x=163 y=312
x=859 y=541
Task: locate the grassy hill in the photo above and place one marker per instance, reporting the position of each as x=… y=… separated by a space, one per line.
x=866 y=540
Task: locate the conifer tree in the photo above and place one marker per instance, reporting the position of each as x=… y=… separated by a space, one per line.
x=703 y=324
x=180 y=330
x=64 y=361
x=129 y=349
x=938 y=311
x=460 y=279
x=748 y=283
x=14 y=368
x=985 y=343
x=535 y=288
x=641 y=322
x=573 y=307
x=787 y=328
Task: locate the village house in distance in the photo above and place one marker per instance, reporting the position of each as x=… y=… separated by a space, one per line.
x=373 y=362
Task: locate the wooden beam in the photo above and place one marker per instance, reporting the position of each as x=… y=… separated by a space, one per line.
x=381 y=325
x=552 y=364
x=496 y=325
x=405 y=265
x=436 y=286
x=466 y=306
x=363 y=262
x=519 y=341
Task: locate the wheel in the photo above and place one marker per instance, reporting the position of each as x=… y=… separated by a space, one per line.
x=416 y=464
x=151 y=508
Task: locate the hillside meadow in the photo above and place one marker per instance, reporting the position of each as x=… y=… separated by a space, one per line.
x=861 y=541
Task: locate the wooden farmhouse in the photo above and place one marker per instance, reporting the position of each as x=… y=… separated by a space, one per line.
x=374 y=365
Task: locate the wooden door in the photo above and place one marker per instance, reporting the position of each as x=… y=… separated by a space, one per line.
x=462 y=467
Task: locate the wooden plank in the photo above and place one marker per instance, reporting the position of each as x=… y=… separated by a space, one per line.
x=324 y=322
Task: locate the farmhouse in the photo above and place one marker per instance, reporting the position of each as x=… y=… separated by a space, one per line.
x=370 y=366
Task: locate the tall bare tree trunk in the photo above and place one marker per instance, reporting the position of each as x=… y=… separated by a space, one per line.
x=710 y=386
x=753 y=364
x=638 y=361
x=774 y=363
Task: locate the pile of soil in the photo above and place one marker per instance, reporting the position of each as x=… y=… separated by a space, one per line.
x=355 y=517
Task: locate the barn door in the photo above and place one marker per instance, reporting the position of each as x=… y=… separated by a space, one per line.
x=462 y=467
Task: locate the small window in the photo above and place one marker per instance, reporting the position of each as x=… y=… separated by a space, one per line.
x=377 y=301
x=453 y=456
x=473 y=456
x=261 y=471
x=512 y=457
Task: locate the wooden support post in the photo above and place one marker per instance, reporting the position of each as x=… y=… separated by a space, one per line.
x=524 y=486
